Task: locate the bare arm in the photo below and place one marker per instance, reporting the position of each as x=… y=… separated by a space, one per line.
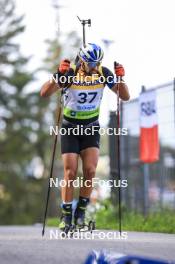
x=123 y=91
x=49 y=88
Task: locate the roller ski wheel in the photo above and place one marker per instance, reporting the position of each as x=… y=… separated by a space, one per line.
x=91 y=226
x=68 y=231
x=86 y=227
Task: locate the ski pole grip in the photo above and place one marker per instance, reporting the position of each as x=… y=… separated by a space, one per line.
x=118 y=77
x=115 y=64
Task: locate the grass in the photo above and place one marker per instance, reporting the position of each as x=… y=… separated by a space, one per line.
x=157 y=222
x=107 y=218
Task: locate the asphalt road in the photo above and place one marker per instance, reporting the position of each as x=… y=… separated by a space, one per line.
x=23 y=245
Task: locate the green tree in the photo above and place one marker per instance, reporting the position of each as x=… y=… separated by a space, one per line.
x=24 y=135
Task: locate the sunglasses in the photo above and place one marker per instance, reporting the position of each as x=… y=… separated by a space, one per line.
x=92 y=64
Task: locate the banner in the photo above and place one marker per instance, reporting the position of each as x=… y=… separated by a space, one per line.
x=149 y=139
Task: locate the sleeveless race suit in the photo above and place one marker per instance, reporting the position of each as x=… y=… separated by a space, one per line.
x=82 y=99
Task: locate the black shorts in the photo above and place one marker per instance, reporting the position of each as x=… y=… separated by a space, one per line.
x=75 y=140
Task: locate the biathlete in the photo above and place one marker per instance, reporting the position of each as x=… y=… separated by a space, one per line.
x=82 y=92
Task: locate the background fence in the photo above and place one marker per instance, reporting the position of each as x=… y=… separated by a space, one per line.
x=156 y=180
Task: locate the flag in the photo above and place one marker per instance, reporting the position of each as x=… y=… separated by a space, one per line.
x=149 y=139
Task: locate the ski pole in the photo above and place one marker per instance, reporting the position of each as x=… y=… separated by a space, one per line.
x=52 y=165
x=118 y=151
x=84 y=22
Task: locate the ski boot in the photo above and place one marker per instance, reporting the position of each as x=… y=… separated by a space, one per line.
x=66 y=218
x=79 y=215
x=80 y=223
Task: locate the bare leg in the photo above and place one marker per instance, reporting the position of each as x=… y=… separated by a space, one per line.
x=89 y=158
x=70 y=162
